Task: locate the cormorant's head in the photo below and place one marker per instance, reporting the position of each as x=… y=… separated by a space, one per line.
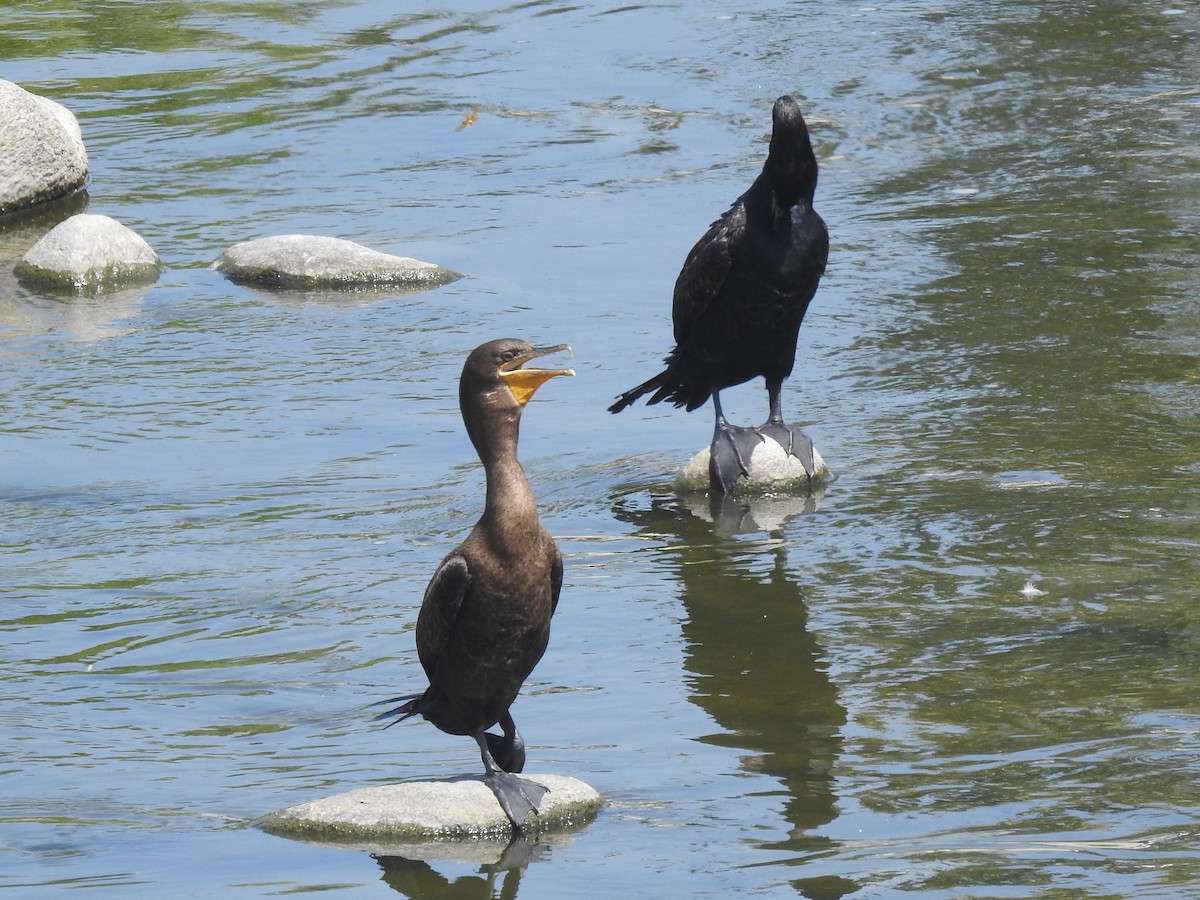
x=523 y=382
x=791 y=163
x=496 y=370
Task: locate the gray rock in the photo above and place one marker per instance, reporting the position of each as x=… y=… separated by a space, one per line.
x=771 y=469
x=42 y=156
x=19 y=233
x=306 y=262
x=417 y=813
x=89 y=254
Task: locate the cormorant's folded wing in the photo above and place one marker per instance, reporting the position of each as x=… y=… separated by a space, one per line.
x=439 y=609
x=556 y=579
x=705 y=269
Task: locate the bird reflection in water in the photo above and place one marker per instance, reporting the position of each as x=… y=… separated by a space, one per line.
x=414 y=870
x=418 y=879
x=752 y=663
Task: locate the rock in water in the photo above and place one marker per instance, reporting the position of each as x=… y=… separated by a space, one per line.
x=42 y=156
x=771 y=469
x=417 y=812
x=89 y=254
x=306 y=262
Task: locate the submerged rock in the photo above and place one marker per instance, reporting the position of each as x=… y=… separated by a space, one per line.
x=42 y=156
x=771 y=469
x=419 y=812
x=89 y=254
x=305 y=262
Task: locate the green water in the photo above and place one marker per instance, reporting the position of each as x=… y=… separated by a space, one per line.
x=968 y=668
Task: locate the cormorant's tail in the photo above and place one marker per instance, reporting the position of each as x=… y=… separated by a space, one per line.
x=682 y=383
x=409 y=706
x=631 y=396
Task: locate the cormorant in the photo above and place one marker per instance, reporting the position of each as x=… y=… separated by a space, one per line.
x=741 y=296
x=485 y=618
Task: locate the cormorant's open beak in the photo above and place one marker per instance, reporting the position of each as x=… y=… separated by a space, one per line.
x=523 y=382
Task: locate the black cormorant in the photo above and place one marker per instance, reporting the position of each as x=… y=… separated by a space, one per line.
x=485 y=618
x=741 y=296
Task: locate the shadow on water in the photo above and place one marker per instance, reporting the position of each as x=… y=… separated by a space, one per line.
x=752 y=663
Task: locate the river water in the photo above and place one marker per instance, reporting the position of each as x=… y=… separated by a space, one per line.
x=967 y=668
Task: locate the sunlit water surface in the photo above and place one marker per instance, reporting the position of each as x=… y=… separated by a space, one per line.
x=220 y=507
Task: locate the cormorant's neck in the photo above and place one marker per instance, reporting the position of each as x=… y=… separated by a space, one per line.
x=509 y=505
x=776 y=197
x=791 y=174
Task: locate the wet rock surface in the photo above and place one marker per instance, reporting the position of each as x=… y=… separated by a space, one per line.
x=42 y=156
x=88 y=254
x=299 y=261
x=416 y=812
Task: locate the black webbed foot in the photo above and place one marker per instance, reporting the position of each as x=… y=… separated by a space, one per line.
x=518 y=796
x=729 y=455
x=793 y=440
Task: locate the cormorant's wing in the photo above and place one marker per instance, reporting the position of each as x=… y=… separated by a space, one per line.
x=556 y=579
x=705 y=269
x=439 y=609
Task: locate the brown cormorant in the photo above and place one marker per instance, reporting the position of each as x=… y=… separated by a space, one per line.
x=485 y=618
x=741 y=296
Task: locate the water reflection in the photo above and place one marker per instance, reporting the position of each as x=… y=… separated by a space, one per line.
x=349 y=297
x=752 y=663
x=82 y=318
x=417 y=878
x=732 y=514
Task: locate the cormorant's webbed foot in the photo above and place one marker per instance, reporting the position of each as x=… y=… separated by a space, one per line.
x=793 y=440
x=729 y=455
x=518 y=796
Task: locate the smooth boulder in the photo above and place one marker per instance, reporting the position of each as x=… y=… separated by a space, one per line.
x=771 y=469
x=42 y=156
x=88 y=254
x=418 y=812
x=308 y=262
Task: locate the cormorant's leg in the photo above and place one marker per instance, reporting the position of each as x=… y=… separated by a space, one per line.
x=793 y=440
x=730 y=451
x=507 y=751
x=518 y=796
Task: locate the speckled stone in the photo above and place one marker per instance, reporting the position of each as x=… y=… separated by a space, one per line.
x=306 y=262
x=430 y=812
x=42 y=156
x=89 y=254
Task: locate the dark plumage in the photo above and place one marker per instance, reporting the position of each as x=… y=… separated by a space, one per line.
x=741 y=296
x=485 y=618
